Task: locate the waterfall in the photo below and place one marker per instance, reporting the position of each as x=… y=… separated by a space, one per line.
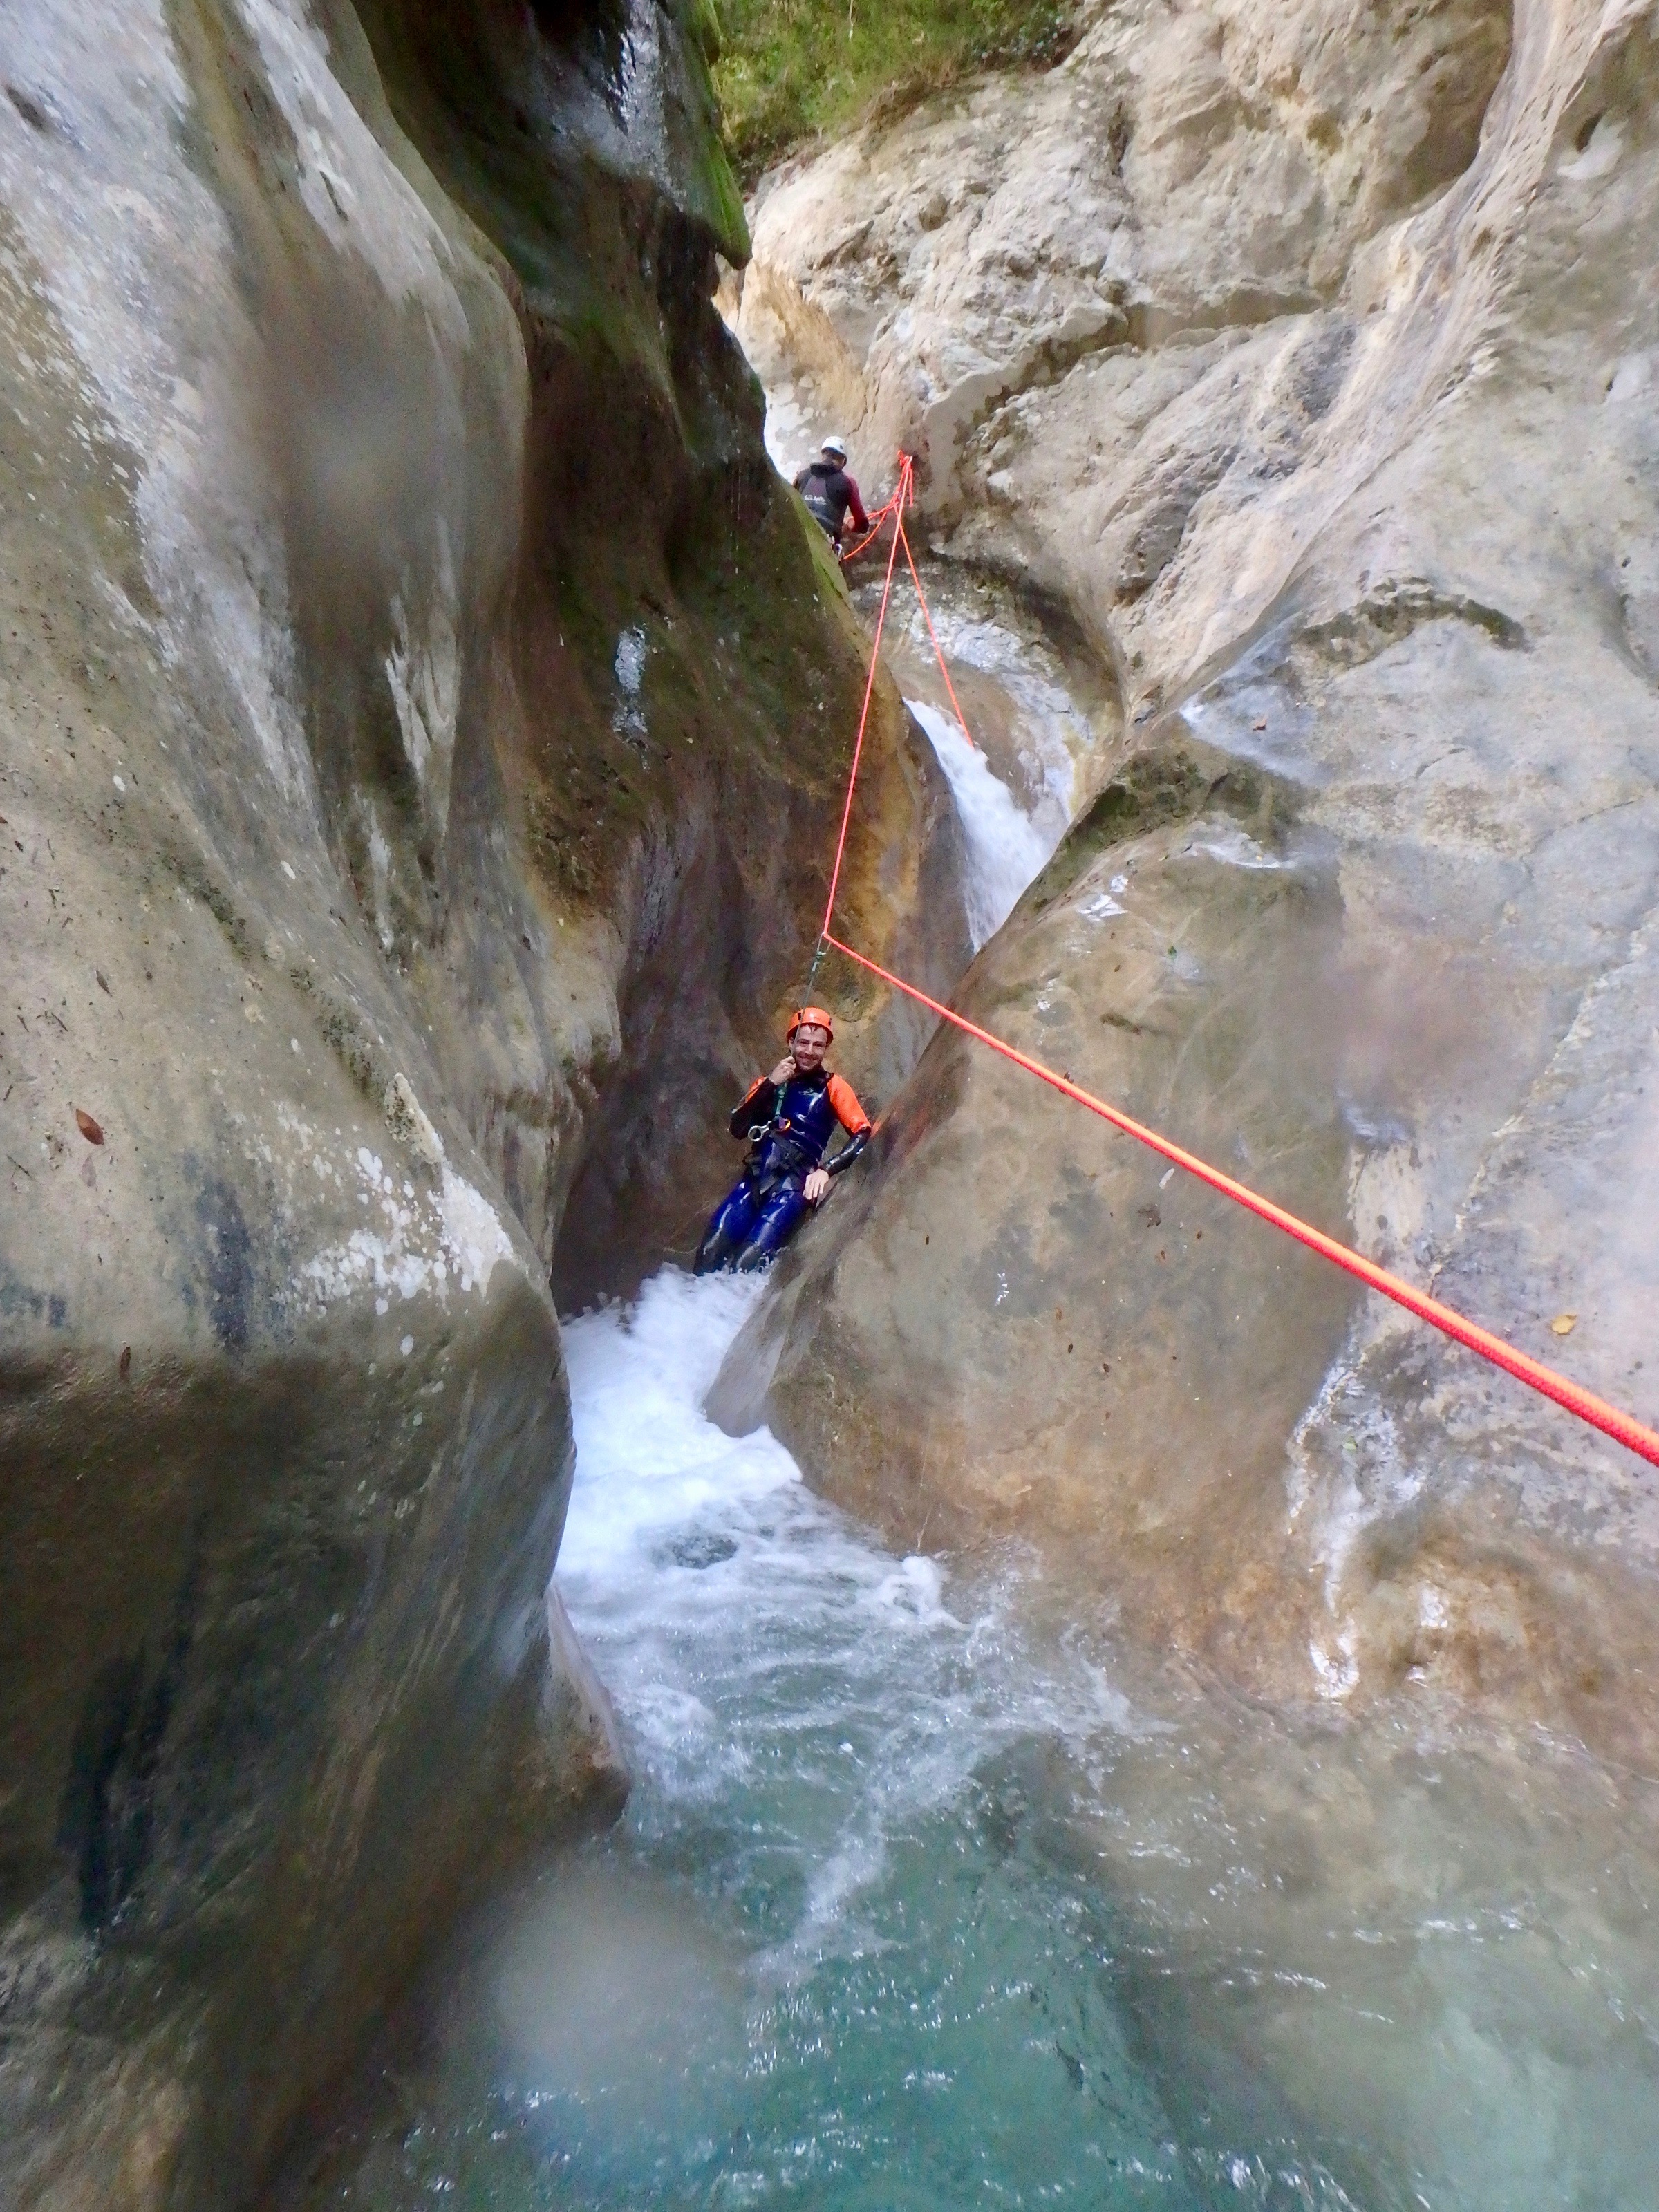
x=1004 y=847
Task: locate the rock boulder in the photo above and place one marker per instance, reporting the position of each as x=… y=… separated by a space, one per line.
x=1306 y=354
x=414 y=761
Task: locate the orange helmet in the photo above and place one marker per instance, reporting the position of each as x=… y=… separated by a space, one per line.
x=810 y=1014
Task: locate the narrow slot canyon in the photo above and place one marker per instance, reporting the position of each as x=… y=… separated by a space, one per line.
x=1049 y=1693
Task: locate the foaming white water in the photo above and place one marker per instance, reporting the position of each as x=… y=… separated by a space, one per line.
x=905 y=1912
x=1006 y=848
x=742 y=1625
x=1054 y=735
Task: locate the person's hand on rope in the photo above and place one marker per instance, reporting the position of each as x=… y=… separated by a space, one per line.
x=784 y=1070
x=812 y=1190
x=903 y=493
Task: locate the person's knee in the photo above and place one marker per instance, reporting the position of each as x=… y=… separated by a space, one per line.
x=778 y=1224
x=729 y=1226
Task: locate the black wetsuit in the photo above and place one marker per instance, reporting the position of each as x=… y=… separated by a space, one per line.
x=829 y=492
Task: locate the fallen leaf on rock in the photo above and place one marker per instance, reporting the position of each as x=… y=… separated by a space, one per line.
x=1563 y=1323
x=88 y=1128
x=1261 y=724
x=103 y=980
x=125 y=1361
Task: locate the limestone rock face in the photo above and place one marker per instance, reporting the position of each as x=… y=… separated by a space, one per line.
x=384 y=525
x=1308 y=354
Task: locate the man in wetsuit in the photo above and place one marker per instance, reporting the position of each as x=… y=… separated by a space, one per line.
x=830 y=494
x=789 y=1117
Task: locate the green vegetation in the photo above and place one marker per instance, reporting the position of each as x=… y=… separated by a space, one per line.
x=790 y=69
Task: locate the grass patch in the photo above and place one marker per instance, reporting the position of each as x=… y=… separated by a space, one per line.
x=792 y=70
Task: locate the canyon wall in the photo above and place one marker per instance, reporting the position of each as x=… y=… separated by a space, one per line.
x=1311 y=356
x=413 y=759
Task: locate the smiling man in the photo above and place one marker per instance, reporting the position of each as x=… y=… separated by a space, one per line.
x=788 y=1118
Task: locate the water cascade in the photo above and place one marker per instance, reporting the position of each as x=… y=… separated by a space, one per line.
x=913 y=1905
x=1115 y=1717
x=919 y=1901
x=1016 y=773
x=1005 y=847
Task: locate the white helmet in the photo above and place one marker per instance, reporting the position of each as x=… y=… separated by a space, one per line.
x=835 y=445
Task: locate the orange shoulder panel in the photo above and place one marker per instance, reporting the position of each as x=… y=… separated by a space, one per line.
x=851 y=1115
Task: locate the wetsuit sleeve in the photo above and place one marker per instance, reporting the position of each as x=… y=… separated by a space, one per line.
x=851 y=1115
x=755 y=1106
x=860 y=521
x=853 y=1118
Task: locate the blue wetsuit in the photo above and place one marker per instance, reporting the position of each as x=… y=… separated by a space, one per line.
x=788 y=1124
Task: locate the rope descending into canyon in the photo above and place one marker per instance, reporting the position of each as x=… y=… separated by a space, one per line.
x=903 y=494
x=895 y=507
x=875 y=521
x=1621 y=1426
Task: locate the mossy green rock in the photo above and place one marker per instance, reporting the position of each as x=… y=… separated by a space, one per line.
x=413 y=726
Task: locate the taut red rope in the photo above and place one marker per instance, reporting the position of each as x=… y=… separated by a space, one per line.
x=869 y=687
x=1623 y=1427
x=1587 y=1405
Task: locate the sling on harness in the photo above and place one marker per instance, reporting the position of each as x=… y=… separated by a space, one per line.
x=788 y=1125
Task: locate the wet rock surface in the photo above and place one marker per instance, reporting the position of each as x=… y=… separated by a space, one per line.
x=1348 y=476
x=928 y=1884
x=425 y=725
x=414 y=695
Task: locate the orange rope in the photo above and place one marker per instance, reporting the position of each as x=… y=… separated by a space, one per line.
x=939 y=655
x=875 y=521
x=1609 y=1420
x=873 y=532
x=869 y=687
x=906 y=496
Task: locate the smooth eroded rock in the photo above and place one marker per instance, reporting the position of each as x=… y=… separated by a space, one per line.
x=1348 y=478
x=411 y=666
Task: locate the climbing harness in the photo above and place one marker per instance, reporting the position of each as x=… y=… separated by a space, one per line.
x=792 y=1124
x=1621 y=1426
